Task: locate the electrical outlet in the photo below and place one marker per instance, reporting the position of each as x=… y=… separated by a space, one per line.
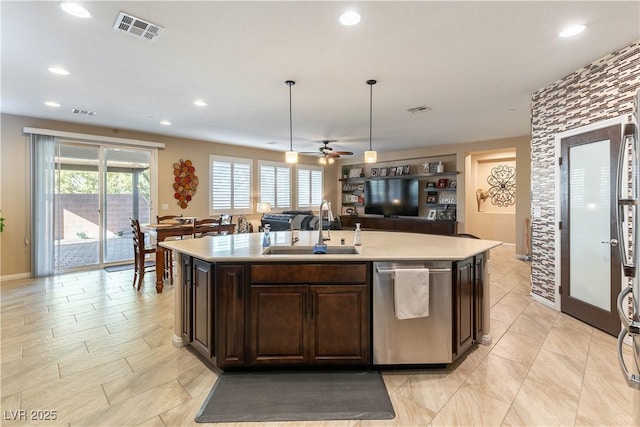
x=165 y=207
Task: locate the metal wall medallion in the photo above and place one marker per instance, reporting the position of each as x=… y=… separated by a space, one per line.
x=502 y=183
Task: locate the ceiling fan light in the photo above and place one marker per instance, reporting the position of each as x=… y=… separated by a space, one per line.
x=331 y=160
x=291 y=157
x=322 y=161
x=370 y=156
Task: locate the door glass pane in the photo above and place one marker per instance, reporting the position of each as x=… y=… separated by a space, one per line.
x=127 y=196
x=77 y=215
x=589 y=223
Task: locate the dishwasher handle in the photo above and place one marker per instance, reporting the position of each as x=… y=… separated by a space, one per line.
x=392 y=271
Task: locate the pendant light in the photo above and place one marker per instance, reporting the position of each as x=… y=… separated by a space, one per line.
x=291 y=156
x=370 y=156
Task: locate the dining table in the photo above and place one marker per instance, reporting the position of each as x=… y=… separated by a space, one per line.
x=173 y=228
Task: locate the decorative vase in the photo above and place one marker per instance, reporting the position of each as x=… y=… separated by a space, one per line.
x=440 y=167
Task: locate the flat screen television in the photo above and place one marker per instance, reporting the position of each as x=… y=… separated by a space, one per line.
x=391 y=197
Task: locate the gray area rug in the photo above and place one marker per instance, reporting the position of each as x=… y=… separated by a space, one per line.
x=296 y=396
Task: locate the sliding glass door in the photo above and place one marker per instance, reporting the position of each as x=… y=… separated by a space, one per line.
x=97 y=189
x=127 y=195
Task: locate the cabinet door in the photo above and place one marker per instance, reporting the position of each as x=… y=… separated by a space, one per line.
x=463 y=308
x=202 y=308
x=230 y=282
x=339 y=331
x=187 y=299
x=278 y=332
x=478 y=289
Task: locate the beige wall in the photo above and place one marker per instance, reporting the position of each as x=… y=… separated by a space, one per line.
x=493 y=222
x=15 y=258
x=522 y=148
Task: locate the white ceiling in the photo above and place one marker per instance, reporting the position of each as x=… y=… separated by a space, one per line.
x=474 y=63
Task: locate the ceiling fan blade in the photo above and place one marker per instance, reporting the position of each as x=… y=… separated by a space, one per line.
x=333 y=155
x=344 y=153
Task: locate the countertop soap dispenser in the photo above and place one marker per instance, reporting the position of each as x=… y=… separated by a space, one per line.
x=266 y=239
x=357 y=238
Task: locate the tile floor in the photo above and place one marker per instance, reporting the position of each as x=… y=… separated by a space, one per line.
x=89 y=347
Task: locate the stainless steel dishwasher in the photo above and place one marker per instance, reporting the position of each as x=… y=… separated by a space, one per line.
x=426 y=340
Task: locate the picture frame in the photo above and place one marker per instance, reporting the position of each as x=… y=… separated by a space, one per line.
x=382 y=172
x=431 y=184
x=433 y=167
x=406 y=169
x=399 y=170
x=432 y=197
x=431 y=215
x=355 y=172
x=442 y=183
x=392 y=171
x=374 y=171
x=453 y=184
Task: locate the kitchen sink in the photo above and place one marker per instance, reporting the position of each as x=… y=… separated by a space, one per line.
x=309 y=250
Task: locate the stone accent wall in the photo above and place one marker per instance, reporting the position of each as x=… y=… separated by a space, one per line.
x=602 y=90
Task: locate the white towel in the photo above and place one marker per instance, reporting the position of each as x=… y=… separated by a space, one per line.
x=411 y=293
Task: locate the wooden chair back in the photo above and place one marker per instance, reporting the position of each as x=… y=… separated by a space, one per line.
x=161 y=219
x=206 y=226
x=140 y=250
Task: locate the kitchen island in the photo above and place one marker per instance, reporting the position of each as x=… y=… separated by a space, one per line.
x=240 y=306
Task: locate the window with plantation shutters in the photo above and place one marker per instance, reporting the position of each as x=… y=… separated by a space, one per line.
x=230 y=185
x=275 y=185
x=310 y=187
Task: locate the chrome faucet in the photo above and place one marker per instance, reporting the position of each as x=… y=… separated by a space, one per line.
x=321 y=239
x=294 y=238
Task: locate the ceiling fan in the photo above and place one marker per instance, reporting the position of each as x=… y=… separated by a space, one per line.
x=326 y=153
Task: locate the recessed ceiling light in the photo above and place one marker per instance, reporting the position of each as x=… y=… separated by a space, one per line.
x=75 y=9
x=572 y=30
x=199 y=103
x=51 y=104
x=350 y=17
x=165 y=123
x=58 y=70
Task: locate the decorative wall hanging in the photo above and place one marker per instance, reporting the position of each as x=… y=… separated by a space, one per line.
x=502 y=183
x=185 y=182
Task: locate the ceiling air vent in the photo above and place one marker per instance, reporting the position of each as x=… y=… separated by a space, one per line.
x=83 y=112
x=136 y=26
x=420 y=109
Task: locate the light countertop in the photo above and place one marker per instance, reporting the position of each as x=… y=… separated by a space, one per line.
x=376 y=246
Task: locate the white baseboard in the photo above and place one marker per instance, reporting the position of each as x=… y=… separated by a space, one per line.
x=177 y=341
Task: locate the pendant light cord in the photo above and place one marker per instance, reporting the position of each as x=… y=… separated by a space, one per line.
x=371 y=83
x=290 y=83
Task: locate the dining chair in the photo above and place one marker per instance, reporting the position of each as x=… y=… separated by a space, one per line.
x=206 y=227
x=161 y=219
x=243 y=225
x=140 y=252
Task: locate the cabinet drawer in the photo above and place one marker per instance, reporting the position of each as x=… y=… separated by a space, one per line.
x=309 y=273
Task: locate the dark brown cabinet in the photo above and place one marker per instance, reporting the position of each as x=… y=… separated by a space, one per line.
x=278 y=331
x=203 y=308
x=230 y=290
x=478 y=296
x=187 y=299
x=309 y=314
x=463 y=306
x=339 y=324
x=407 y=225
